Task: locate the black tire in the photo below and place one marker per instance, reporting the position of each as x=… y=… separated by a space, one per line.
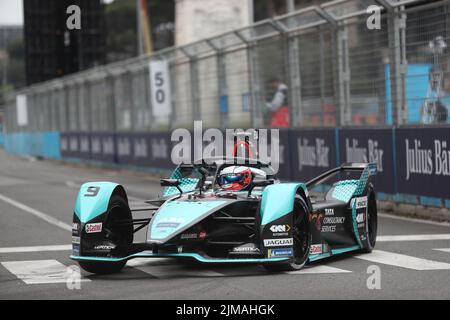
x=302 y=240
x=121 y=236
x=101 y=267
x=372 y=221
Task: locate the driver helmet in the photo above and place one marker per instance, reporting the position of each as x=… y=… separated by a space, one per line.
x=237 y=178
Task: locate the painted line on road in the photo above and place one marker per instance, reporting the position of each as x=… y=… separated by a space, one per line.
x=168 y=268
x=65 y=247
x=443 y=250
x=403 y=261
x=417 y=220
x=36 y=213
x=414 y=237
x=318 y=270
x=42 y=272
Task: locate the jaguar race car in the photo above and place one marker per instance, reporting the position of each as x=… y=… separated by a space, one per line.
x=229 y=210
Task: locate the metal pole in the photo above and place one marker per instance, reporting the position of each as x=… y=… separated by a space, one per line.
x=343 y=76
x=397 y=45
x=251 y=11
x=290 y=5
x=255 y=89
x=296 y=111
x=138 y=28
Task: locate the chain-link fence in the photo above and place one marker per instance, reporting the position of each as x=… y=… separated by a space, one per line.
x=324 y=66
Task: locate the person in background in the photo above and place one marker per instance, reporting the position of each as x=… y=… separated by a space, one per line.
x=278 y=106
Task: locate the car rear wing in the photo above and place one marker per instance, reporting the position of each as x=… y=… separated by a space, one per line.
x=370 y=168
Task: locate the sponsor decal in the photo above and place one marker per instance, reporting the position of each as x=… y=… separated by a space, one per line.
x=172 y=222
x=330 y=229
x=360 y=202
x=280 y=228
x=167 y=225
x=94 y=227
x=180 y=249
x=75 y=226
x=76 y=240
x=316 y=249
x=202 y=235
x=285 y=252
x=278 y=242
x=333 y=220
x=76 y=250
x=360 y=218
x=104 y=247
x=189 y=236
x=329 y=212
x=246 y=249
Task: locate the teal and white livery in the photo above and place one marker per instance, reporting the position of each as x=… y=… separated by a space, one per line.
x=229 y=210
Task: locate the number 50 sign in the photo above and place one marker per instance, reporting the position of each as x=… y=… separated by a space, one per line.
x=160 y=88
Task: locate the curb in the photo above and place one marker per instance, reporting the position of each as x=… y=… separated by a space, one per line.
x=415 y=211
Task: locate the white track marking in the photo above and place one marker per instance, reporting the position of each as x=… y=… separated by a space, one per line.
x=403 y=261
x=143 y=262
x=170 y=271
x=72 y=185
x=168 y=268
x=36 y=213
x=443 y=250
x=40 y=271
x=318 y=270
x=65 y=247
x=415 y=237
x=417 y=220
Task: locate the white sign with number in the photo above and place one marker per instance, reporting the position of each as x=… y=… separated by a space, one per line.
x=160 y=88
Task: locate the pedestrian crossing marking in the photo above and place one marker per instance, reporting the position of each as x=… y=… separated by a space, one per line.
x=161 y=269
x=66 y=247
x=41 y=271
x=318 y=270
x=403 y=261
x=52 y=271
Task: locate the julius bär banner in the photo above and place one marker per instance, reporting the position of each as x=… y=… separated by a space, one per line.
x=370 y=146
x=312 y=152
x=423 y=161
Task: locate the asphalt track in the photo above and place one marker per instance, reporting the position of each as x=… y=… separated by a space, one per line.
x=36 y=205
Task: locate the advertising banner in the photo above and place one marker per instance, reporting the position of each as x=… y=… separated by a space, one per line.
x=312 y=152
x=103 y=147
x=423 y=161
x=370 y=146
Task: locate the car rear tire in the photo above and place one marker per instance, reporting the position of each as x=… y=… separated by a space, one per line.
x=302 y=240
x=120 y=235
x=372 y=221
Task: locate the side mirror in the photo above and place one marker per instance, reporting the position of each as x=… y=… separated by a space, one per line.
x=260 y=183
x=171 y=183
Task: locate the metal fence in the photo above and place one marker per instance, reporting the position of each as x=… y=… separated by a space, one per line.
x=335 y=71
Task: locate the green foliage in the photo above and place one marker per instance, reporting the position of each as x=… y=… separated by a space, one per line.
x=121 y=42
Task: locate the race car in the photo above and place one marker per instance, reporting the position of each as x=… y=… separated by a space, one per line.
x=229 y=210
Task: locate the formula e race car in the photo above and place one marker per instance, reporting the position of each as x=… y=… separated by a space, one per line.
x=229 y=210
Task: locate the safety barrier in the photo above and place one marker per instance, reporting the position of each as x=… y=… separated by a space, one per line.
x=413 y=165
